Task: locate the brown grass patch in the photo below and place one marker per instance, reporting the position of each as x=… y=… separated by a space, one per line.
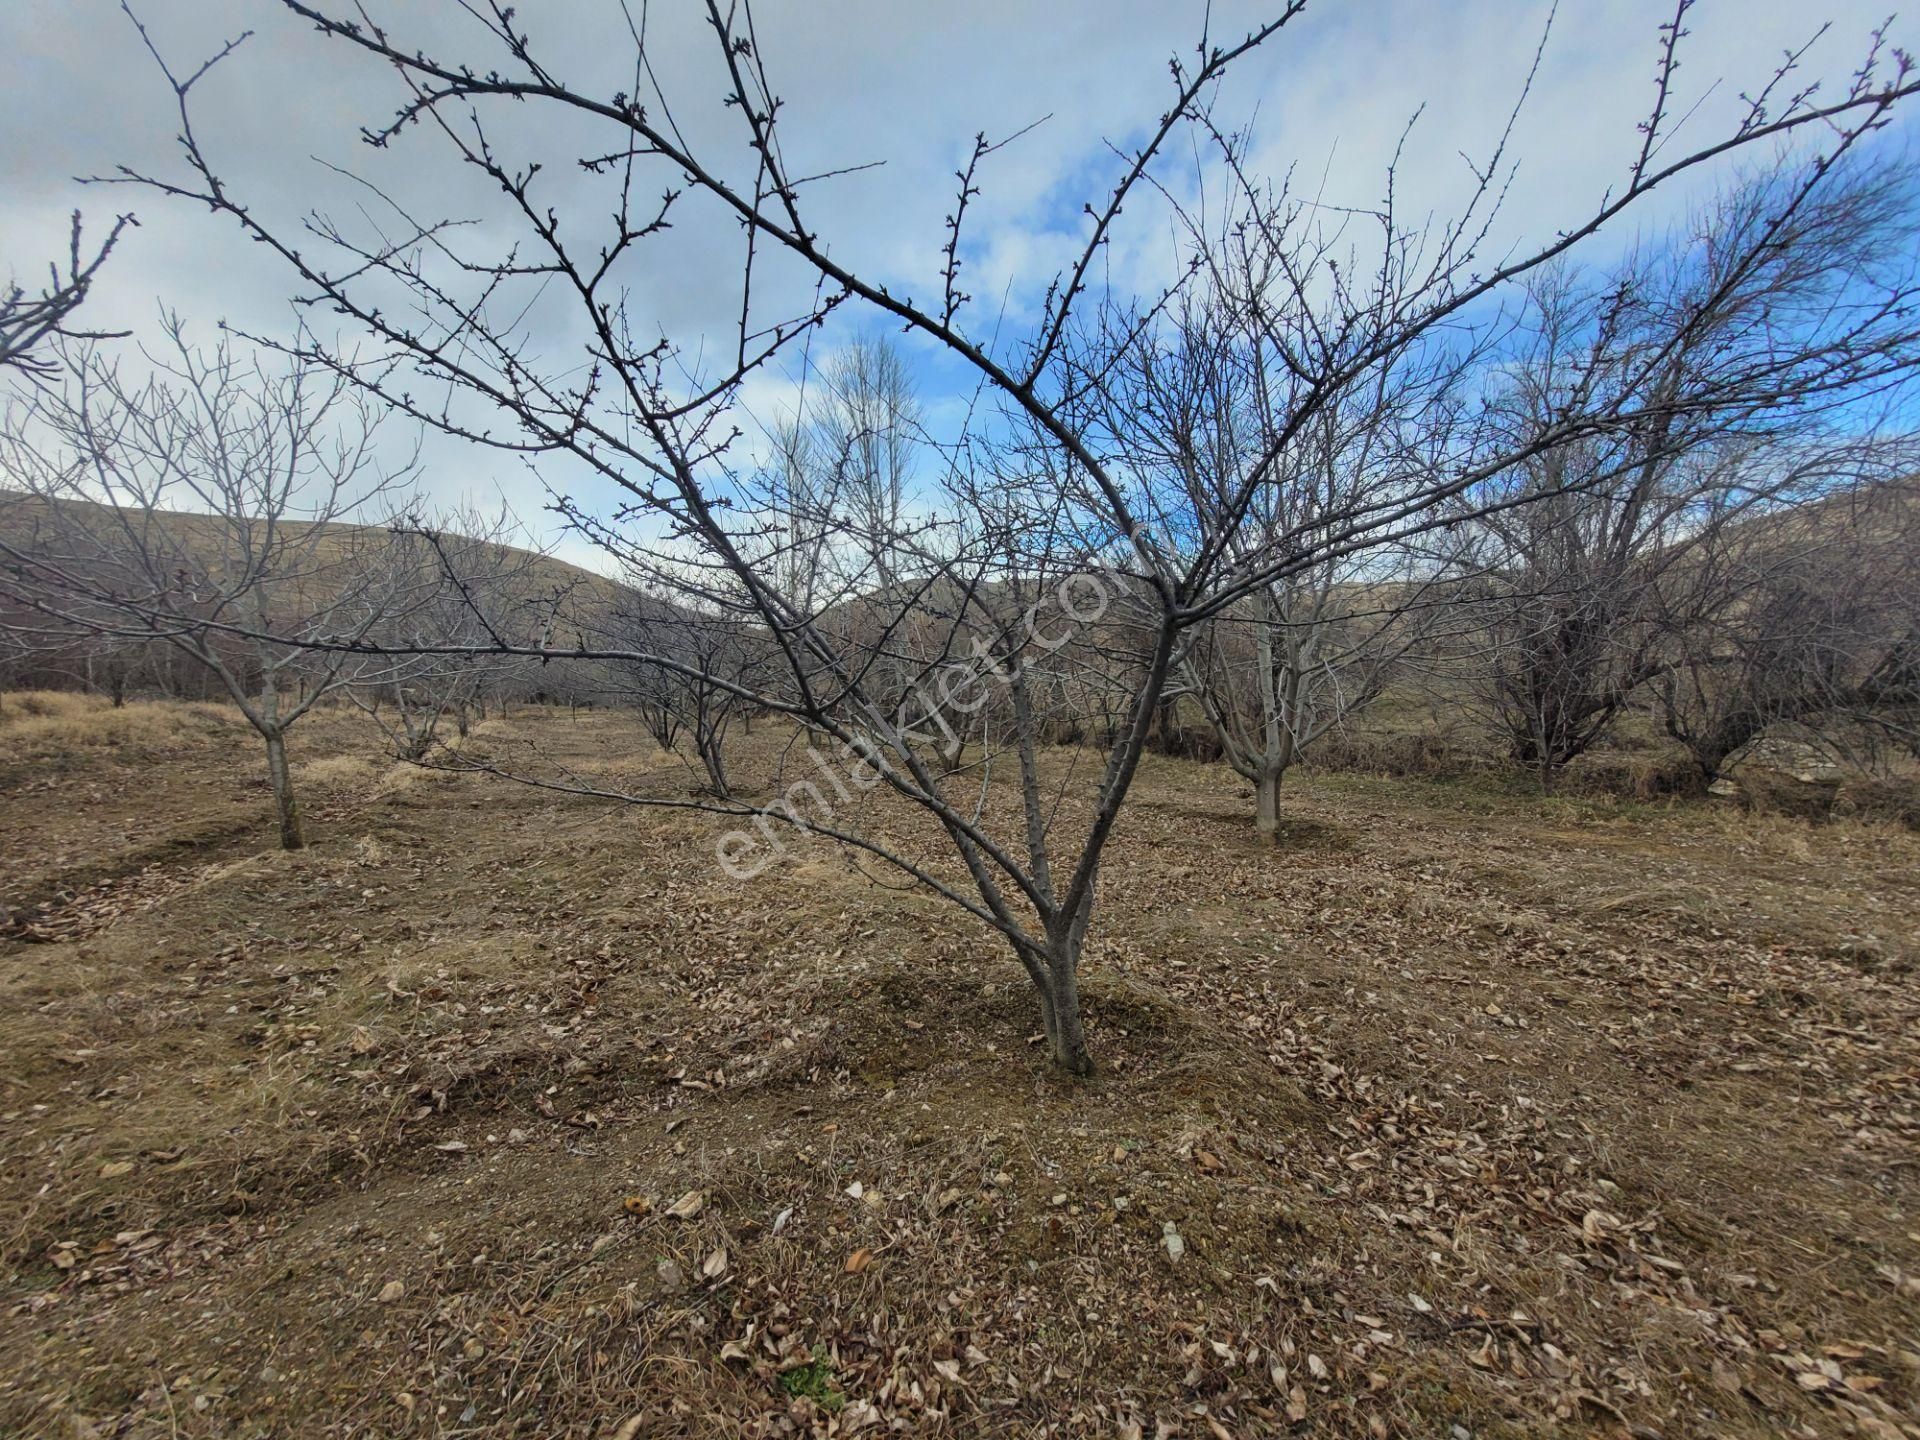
x=1529 y=1118
x=39 y=727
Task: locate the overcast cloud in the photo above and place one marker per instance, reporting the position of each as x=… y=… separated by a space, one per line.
x=899 y=83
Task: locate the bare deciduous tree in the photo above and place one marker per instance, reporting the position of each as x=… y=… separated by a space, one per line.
x=446 y=582
x=1814 y=622
x=1312 y=647
x=1044 y=495
x=697 y=699
x=1590 y=543
x=869 y=430
x=196 y=509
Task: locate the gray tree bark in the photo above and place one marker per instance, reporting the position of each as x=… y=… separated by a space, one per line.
x=284 y=804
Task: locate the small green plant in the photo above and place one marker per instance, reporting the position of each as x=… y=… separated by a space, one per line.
x=814 y=1381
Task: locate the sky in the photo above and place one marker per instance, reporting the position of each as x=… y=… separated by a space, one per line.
x=896 y=85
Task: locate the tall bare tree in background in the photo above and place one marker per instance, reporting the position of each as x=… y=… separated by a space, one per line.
x=194 y=509
x=869 y=429
x=832 y=504
x=796 y=524
x=1814 y=625
x=437 y=310
x=1784 y=301
x=1310 y=648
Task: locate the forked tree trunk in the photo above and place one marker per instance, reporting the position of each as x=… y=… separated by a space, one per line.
x=952 y=751
x=1060 y=1013
x=283 y=802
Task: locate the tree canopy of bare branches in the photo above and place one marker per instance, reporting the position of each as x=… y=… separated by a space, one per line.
x=1589 y=554
x=1049 y=488
x=195 y=509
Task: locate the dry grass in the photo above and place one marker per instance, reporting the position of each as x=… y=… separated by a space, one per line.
x=40 y=727
x=346 y=772
x=366 y=776
x=1530 y=1117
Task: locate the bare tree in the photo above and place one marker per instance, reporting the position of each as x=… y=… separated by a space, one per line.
x=1589 y=544
x=197 y=509
x=799 y=502
x=1042 y=506
x=96 y=664
x=31 y=322
x=1814 y=625
x=1570 y=590
x=1312 y=647
x=446 y=582
x=869 y=429
x=705 y=690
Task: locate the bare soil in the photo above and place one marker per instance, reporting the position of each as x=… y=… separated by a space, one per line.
x=498 y=1112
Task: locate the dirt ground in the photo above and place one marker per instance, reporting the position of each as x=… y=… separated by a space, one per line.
x=498 y=1112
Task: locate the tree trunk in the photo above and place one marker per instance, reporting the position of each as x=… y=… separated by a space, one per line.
x=1267 y=789
x=952 y=751
x=1711 y=746
x=283 y=802
x=1060 y=1008
x=1167 y=723
x=1059 y=986
x=713 y=759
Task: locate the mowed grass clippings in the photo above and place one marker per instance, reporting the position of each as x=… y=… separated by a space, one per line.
x=498 y=1112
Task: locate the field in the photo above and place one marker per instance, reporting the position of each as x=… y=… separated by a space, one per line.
x=498 y=1112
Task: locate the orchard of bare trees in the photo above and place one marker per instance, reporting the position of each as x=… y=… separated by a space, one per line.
x=1651 y=466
